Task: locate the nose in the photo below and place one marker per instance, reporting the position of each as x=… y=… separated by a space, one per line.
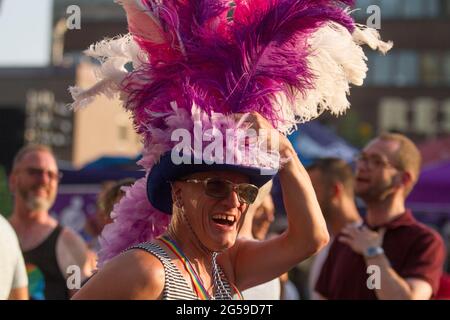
x=43 y=177
x=232 y=200
x=46 y=177
x=362 y=165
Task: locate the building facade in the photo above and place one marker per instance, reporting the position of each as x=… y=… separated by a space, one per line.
x=34 y=102
x=408 y=90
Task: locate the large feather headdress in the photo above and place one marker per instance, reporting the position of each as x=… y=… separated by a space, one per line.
x=289 y=60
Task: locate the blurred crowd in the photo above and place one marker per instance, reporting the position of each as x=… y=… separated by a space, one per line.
x=378 y=250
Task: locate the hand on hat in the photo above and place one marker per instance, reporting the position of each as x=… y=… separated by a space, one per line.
x=276 y=141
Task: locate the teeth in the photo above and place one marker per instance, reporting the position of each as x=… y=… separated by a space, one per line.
x=224 y=217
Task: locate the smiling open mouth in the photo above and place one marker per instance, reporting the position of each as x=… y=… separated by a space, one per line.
x=224 y=219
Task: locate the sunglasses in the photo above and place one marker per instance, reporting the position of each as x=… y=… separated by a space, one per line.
x=373 y=162
x=36 y=172
x=221 y=189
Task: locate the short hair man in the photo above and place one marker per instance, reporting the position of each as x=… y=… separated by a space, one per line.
x=392 y=256
x=333 y=182
x=48 y=248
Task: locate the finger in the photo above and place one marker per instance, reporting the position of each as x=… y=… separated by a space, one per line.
x=366 y=231
x=350 y=230
x=345 y=240
x=364 y=228
x=347 y=236
x=238 y=116
x=242 y=118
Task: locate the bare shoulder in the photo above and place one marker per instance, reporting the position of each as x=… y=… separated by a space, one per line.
x=71 y=248
x=70 y=237
x=134 y=274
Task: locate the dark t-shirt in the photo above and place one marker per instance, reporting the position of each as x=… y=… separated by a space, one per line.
x=413 y=250
x=45 y=280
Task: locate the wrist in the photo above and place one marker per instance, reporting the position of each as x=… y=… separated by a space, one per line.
x=373 y=252
x=287 y=153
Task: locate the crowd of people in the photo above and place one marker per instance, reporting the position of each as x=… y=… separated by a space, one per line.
x=214 y=88
x=36 y=250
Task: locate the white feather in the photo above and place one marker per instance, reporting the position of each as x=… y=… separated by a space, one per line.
x=113 y=55
x=337 y=60
x=371 y=37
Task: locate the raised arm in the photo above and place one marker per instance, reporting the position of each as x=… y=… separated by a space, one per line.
x=257 y=262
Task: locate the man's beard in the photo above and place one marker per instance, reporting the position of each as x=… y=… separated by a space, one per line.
x=376 y=193
x=37 y=203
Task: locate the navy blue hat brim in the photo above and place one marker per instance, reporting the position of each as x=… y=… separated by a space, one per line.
x=165 y=171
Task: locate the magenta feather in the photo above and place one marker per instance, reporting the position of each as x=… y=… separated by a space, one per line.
x=214 y=56
x=238 y=69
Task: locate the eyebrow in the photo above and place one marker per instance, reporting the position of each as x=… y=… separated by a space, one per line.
x=374 y=155
x=36 y=168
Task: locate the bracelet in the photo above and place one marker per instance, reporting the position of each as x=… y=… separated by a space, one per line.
x=372 y=252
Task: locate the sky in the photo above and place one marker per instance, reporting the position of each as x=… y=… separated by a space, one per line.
x=25 y=32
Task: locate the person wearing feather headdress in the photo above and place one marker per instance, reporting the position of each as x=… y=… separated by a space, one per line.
x=215 y=86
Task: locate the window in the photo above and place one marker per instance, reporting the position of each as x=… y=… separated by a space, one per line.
x=432 y=8
x=407 y=68
x=446 y=69
x=362 y=6
x=446 y=8
x=413 y=9
x=446 y=116
x=391 y=8
x=407 y=65
x=445 y=124
x=393 y=114
x=382 y=68
x=405 y=9
x=430 y=69
x=424 y=116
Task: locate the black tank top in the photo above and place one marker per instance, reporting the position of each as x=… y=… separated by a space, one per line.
x=42 y=263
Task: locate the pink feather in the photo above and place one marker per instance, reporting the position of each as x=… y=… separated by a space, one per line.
x=145 y=26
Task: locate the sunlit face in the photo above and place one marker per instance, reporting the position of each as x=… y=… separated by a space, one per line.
x=376 y=174
x=263 y=218
x=35 y=180
x=216 y=222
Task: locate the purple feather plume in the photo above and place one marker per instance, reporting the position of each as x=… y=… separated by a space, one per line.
x=235 y=65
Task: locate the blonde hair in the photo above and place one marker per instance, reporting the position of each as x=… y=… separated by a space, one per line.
x=263 y=192
x=108 y=196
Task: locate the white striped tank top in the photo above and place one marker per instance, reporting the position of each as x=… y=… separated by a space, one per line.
x=175 y=285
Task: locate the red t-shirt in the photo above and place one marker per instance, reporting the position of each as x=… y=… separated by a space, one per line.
x=413 y=250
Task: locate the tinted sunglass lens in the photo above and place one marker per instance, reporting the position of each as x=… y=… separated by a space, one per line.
x=248 y=193
x=217 y=188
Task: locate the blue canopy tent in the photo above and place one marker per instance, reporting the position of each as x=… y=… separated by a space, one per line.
x=104 y=169
x=75 y=205
x=313 y=141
